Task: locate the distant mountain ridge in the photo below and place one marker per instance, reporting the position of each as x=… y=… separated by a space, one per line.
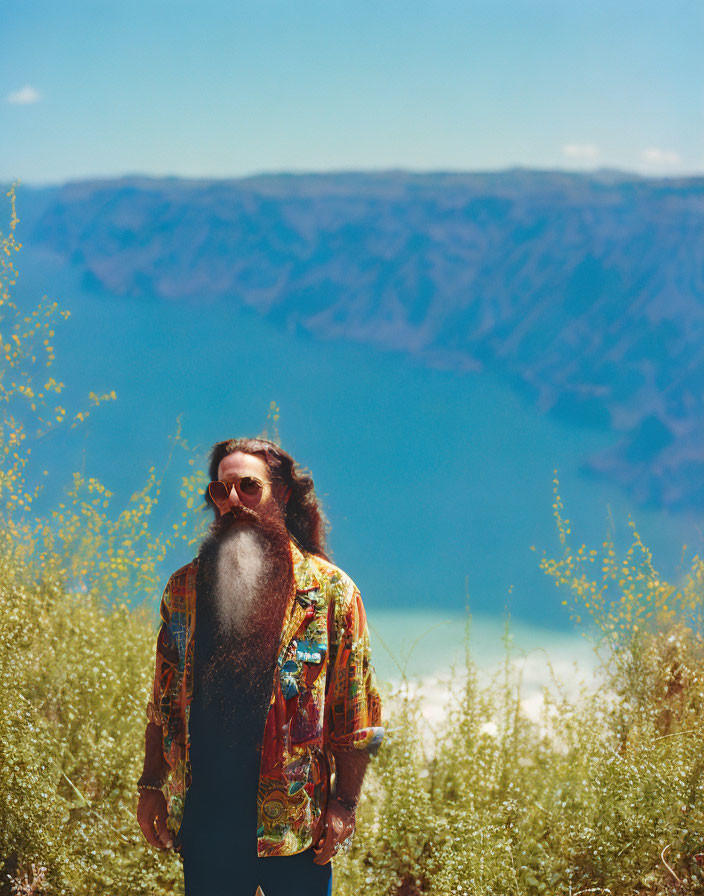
x=586 y=290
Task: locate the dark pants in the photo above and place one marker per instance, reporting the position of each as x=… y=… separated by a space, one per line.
x=221 y=874
x=220 y=859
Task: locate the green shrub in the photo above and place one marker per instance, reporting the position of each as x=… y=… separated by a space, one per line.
x=602 y=794
x=74 y=678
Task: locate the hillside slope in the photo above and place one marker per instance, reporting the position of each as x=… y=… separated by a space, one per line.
x=587 y=291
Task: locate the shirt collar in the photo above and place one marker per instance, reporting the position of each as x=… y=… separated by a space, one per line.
x=303 y=570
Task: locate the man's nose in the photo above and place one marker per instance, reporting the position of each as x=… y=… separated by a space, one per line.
x=233 y=498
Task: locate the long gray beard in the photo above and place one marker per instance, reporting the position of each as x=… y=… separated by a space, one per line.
x=244 y=568
x=245 y=580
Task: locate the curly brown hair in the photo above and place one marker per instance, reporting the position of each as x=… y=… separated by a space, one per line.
x=305 y=520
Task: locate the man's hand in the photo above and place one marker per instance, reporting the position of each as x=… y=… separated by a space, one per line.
x=151 y=815
x=339 y=825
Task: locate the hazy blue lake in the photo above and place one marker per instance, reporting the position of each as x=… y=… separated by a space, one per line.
x=436 y=483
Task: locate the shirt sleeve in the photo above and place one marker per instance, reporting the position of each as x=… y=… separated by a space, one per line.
x=353 y=704
x=165 y=665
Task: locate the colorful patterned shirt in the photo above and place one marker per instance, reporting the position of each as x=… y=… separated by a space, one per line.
x=324 y=700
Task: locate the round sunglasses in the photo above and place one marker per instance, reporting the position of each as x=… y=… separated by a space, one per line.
x=249 y=486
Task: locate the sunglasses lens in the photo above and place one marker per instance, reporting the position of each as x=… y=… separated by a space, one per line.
x=218 y=491
x=250 y=486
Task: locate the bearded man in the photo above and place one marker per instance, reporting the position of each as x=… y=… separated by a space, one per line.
x=264 y=710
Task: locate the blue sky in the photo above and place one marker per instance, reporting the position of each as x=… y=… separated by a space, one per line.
x=227 y=89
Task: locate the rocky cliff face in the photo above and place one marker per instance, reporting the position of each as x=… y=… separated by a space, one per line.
x=587 y=291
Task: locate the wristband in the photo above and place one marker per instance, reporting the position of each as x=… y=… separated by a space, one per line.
x=147 y=785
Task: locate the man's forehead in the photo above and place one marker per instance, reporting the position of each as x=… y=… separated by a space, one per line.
x=239 y=463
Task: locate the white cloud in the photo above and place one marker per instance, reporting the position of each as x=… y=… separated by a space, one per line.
x=582 y=152
x=24 y=96
x=656 y=156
